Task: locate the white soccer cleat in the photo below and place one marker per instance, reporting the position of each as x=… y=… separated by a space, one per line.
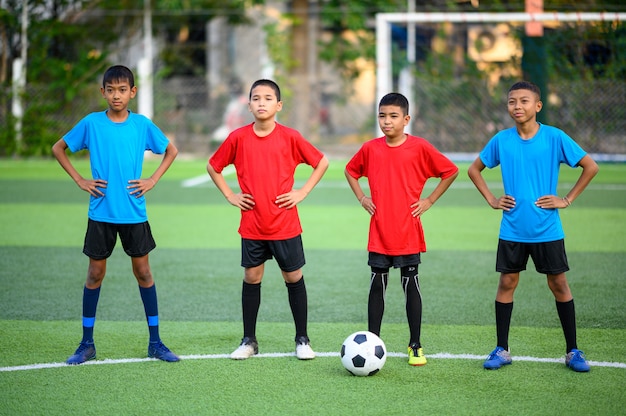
x=246 y=349
x=303 y=349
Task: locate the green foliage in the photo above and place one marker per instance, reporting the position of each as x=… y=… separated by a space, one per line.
x=69 y=47
x=352 y=36
x=281 y=56
x=183 y=23
x=585 y=51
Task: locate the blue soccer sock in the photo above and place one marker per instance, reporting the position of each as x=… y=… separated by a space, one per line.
x=150 y=305
x=90 y=304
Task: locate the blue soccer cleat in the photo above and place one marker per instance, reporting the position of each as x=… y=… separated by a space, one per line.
x=86 y=351
x=575 y=359
x=497 y=359
x=159 y=351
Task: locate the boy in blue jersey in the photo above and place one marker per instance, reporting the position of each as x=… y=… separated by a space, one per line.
x=529 y=156
x=117 y=139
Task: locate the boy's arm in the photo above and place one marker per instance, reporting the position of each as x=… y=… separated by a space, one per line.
x=424 y=204
x=90 y=185
x=590 y=169
x=291 y=199
x=365 y=201
x=141 y=186
x=505 y=202
x=168 y=158
x=243 y=201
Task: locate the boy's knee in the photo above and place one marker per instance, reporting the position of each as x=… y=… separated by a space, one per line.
x=143 y=275
x=95 y=273
x=508 y=282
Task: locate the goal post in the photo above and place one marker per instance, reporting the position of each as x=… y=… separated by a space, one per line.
x=384 y=21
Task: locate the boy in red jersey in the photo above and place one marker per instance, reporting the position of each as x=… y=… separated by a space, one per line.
x=397 y=166
x=265 y=155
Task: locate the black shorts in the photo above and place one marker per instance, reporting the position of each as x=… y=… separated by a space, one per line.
x=383 y=261
x=289 y=254
x=101 y=237
x=549 y=257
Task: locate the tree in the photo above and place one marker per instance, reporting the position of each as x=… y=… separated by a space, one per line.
x=69 y=43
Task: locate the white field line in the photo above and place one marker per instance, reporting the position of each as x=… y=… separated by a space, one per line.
x=229 y=170
x=441 y=355
x=202 y=179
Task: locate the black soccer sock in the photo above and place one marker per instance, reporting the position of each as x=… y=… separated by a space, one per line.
x=503 y=323
x=250 y=303
x=413 y=301
x=376 y=300
x=90 y=304
x=567 y=315
x=150 y=305
x=298 y=303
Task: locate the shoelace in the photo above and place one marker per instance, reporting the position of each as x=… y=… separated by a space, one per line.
x=82 y=348
x=158 y=346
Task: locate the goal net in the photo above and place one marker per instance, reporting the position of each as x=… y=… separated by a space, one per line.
x=455 y=68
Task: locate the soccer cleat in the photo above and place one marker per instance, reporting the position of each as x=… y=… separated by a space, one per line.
x=160 y=351
x=246 y=349
x=497 y=359
x=575 y=359
x=303 y=348
x=86 y=351
x=416 y=355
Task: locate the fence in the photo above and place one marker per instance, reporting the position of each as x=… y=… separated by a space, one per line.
x=457 y=114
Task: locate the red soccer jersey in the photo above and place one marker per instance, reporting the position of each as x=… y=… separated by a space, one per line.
x=396 y=177
x=265 y=169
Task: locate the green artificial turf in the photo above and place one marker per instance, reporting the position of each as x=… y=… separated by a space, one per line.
x=198 y=277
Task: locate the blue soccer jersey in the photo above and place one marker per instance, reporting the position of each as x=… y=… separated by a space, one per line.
x=116 y=153
x=530 y=169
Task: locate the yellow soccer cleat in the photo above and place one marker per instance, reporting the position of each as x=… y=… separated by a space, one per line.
x=416 y=355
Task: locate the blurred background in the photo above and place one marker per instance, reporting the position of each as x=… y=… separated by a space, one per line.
x=194 y=62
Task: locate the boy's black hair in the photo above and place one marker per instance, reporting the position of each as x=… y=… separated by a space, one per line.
x=526 y=85
x=397 y=99
x=118 y=73
x=269 y=83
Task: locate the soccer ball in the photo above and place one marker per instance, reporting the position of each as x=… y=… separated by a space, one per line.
x=363 y=353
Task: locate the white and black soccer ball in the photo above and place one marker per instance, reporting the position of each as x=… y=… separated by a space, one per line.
x=363 y=353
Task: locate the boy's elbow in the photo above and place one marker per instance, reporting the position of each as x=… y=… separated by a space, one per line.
x=323 y=164
x=589 y=165
x=58 y=147
x=475 y=168
x=171 y=150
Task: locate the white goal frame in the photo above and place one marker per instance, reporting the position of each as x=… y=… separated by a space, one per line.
x=384 y=20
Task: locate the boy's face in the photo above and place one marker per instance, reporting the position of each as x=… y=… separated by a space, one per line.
x=118 y=94
x=392 y=121
x=263 y=102
x=523 y=105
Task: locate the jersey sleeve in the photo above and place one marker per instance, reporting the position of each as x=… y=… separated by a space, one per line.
x=490 y=155
x=156 y=140
x=571 y=152
x=225 y=153
x=77 y=138
x=440 y=165
x=356 y=165
x=306 y=151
